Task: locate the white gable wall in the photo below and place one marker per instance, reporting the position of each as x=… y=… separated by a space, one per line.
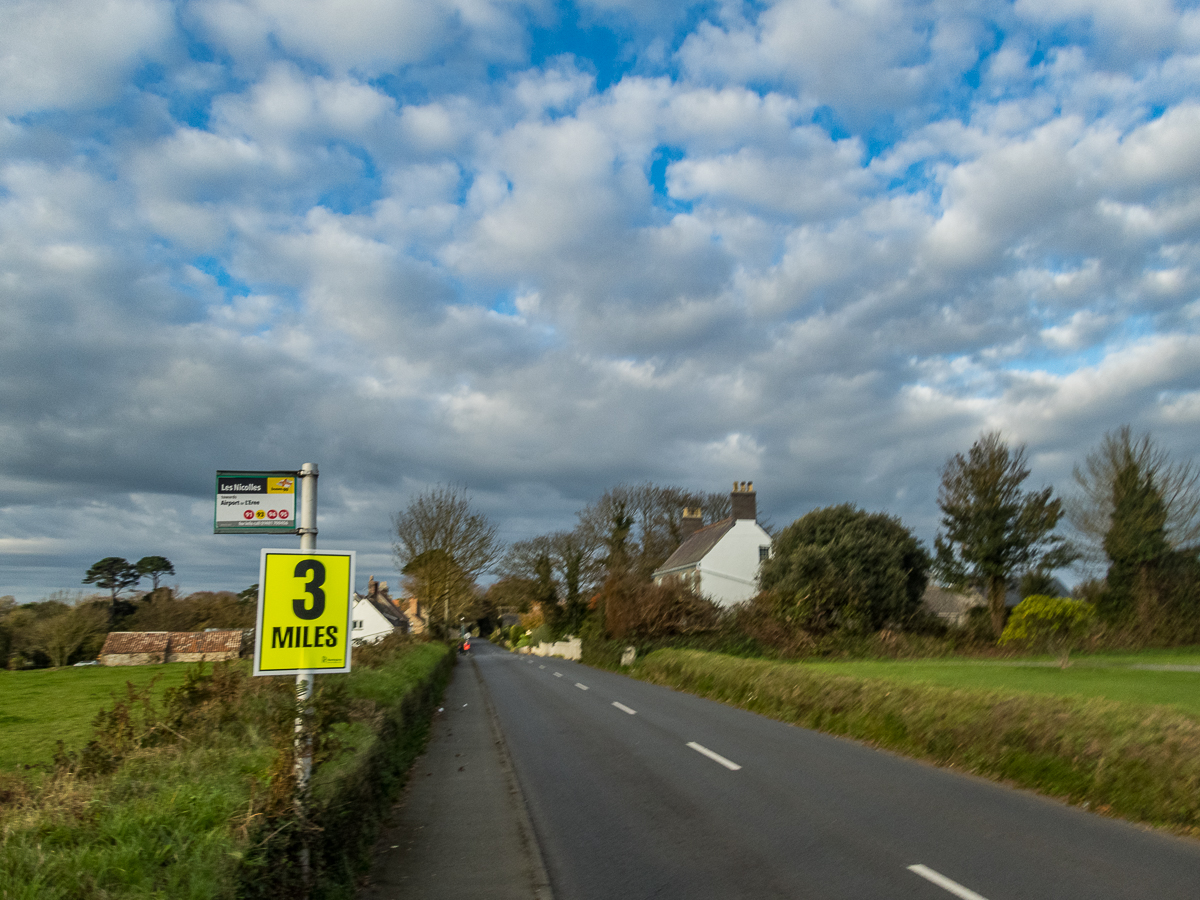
x=729 y=571
x=367 y=623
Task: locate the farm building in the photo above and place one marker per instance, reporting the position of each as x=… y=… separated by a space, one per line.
x=144 y=648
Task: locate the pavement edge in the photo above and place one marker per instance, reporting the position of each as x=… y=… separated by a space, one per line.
x=541 y=878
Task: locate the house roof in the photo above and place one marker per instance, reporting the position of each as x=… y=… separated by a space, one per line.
x=393 y=616
x=121 y=642
x=696 y=547
x=136 y=642
x=206 y=641
x=944 y=601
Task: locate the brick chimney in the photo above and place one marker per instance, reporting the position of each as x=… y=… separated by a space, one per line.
x=692 y=520
x=743 y=500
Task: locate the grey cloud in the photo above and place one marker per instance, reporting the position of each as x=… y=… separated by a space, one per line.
x=505 y=303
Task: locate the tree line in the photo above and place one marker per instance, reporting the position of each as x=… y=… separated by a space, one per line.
x=834 y=572
x=67 y=627
x=842 y=570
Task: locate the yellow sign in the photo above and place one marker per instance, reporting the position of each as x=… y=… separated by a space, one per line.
x=304 y=609
x=281 y=485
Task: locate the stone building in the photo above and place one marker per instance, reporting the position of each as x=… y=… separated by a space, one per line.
x=144 y=648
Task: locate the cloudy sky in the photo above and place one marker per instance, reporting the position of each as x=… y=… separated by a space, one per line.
x=537 y=249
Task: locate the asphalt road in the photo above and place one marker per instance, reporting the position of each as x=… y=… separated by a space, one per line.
x=635 y=791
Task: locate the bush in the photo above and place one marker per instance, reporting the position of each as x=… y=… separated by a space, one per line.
x=841 y=568
x=1054 y=624
x=639 y=609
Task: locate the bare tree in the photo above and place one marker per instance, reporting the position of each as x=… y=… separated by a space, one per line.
x=641 y=525
x=1122 y=454
x=442 y=519
x=442 y=585
x=61 y=635
x=565 y=566
x=442 y=546
x=1135 y=509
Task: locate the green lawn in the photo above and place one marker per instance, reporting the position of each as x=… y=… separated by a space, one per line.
x=42 y=706
x=1109 y=675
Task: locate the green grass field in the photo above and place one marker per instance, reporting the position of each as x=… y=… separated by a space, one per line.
x=42 y=706
x=1108 y=675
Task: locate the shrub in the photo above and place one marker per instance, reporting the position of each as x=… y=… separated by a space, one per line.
x=636 y=608
x=1050 y=623
x=844 y=568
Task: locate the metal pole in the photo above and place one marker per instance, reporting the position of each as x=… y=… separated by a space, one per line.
x=304 y=682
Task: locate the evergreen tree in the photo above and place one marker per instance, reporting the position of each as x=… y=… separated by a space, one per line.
x=155 y=567
x=115 y=575
x=993 y=529
x=1140 y=513
x=1136 y=543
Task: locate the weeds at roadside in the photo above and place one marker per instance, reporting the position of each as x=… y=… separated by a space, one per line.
x=193 y=796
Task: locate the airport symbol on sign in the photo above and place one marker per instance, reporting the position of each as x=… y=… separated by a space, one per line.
x=256 y=502
x=304 y=612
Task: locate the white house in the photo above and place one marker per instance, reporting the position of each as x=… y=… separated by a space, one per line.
x=720 y=561
x=375 y=616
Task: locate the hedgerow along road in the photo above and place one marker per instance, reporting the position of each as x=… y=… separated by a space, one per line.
x=635 y=790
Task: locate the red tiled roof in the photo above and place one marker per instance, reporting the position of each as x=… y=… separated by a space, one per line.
x=121 y=642
x=126 y=642
x=206 y=641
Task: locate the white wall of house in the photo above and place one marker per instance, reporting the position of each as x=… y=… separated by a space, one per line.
x=367 y=623
x=729 y=571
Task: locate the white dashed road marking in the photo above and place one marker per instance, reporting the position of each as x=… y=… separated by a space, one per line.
x=558 y=674
x=715 y=757
x=625 y=709
x=582 y=687
x=943 y=882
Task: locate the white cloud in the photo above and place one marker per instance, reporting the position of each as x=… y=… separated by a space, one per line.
x=70 y=54
x=364 y=35
x=415 y=258
x=827 y=180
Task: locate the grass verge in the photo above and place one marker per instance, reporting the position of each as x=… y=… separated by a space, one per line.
x=191 y=797
x=1086 y=678
x=40 y=707
x=1137 y=761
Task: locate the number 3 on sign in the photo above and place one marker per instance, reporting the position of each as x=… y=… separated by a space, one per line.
x=301 y=607
x=305 y=604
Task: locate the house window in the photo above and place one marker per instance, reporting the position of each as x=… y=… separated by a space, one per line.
x=358 y=624
x=763 y=553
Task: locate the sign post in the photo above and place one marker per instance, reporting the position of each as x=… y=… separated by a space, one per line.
x=305 y=598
